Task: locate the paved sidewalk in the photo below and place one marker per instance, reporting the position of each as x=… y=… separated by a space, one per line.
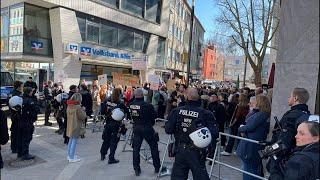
x=51 y=160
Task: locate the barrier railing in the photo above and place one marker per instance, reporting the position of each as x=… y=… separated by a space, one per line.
x=216 y=158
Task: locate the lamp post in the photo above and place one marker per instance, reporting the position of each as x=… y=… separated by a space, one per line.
x=190 y=43
x=245 y=67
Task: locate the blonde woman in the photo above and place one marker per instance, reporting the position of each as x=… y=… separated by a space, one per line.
x=75 y=124
x=256 y=128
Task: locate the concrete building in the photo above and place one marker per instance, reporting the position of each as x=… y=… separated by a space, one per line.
x=213 y=63
x=178 y=40
x=234 y=66
x=82 y=38
x=297 y=58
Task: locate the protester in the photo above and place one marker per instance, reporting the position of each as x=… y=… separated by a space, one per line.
x=75 y=125
x=4 y=135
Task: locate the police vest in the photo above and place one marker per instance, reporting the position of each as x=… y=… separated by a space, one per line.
x=188 y=120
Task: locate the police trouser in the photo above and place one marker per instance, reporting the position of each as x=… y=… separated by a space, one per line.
x=47 y=111
x=14 y=134
x=189 y=159
x=147 y=133
x=24 y=139
x=110 y=139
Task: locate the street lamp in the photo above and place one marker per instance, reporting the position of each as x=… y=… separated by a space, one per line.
x=190 y=43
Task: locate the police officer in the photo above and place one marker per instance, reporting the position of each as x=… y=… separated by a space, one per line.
x=48 y=96
x=182 y=122
x=4 y=136
x=30 y=111
x=304 y=162
x=143 y=116
x=289 y=124
x=15 y=115
x=112 y=129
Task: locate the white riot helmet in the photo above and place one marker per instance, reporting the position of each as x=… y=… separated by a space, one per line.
x=61 y=97
x=117 y=114
x=15 y=100
x=201 y=137
x=314 y=118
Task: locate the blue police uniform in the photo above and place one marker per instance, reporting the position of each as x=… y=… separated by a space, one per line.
x=303 y=164
x=30 y=110
x=143 y=116
x=181 y=122
x=111 y=133
x=15 y=118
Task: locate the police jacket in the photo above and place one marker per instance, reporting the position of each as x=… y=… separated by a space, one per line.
x=142 y=113
x=48 y=93
x=108 y=105
x=16 y=92
x=31 y=84
x=4 y=136
x=302 y=165
x=184 y=120
x=30 y=110
x=289 y=123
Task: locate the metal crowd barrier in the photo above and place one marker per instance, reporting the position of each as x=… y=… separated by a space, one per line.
x=216 y=157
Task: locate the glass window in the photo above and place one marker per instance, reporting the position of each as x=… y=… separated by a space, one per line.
x=111 y=2
x=153 y=10
x=133 y=6
x=82 y=27
x=161 y=51
x=37 y=32
x=138 y=42
x=125 y=39
x=109 y=35
x=169 y=53
x=16 y=28
x=93 y=32
x=4 y=29
x=237 y=62
x=146 y=42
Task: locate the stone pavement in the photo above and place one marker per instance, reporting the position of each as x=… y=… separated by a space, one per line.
x=51 y=160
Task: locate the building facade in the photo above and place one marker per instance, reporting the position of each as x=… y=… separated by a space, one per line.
x=82 y=38
x=209 y=62
x=178 y=40
x=235 y=65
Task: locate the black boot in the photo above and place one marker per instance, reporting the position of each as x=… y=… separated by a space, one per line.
x=113 y=161
x=103 y=157
x=27 y=157
x=137 y=172
x=47 y=123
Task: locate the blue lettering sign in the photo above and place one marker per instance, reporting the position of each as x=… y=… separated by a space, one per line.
x=87 y=51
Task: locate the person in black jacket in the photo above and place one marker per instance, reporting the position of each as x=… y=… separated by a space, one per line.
x=182 y=121
x=143 y=116
x=86 y=101
x=30 y=111
x=112 y=128
x=32 y=84
x=4 y=135
x=289 y=124
x=15 y=116
x=304 y=162
x=48 y=97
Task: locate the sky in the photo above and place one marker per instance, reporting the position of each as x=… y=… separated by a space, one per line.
x=206 y=11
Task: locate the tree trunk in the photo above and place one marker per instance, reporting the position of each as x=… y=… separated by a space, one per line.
x=258 y=76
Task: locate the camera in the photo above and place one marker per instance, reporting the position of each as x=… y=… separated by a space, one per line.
x=272 y=150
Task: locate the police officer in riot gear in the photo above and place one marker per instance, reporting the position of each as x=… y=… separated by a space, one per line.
x=143 y=116
x=15 y=116
x=182 y=122
x=30 y=111
x=113 y=127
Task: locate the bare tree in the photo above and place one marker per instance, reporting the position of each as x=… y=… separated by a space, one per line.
x=251 y=24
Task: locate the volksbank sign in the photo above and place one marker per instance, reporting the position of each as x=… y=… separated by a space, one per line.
x=89 y=51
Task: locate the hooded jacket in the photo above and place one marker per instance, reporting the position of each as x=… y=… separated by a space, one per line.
x=76 y=117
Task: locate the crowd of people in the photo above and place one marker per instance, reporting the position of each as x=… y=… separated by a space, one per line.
x=199 y=109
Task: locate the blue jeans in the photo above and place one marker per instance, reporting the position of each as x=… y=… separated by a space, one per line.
x=72 y=147
x=254 y=168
